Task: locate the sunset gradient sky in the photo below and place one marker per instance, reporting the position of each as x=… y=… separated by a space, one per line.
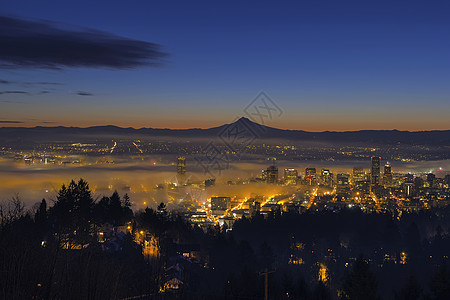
x=329 y=65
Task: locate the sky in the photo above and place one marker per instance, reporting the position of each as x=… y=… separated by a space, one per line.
x=328 y=65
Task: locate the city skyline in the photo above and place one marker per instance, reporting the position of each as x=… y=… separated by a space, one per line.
x=329 y=66
x=225 y=150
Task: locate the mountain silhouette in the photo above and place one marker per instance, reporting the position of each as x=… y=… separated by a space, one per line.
x=244 y=125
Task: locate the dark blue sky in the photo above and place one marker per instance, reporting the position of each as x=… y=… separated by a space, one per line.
x=329 y=65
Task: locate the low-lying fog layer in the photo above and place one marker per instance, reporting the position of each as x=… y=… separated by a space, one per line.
x=139 y=178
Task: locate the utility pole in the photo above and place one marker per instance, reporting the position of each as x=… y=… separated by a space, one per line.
x=266 y=282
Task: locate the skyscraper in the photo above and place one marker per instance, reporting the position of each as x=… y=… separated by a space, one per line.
x=310 y=176
x=326 y=178
x=290 y=176
x=387 y=174
x=264 y=174
x=408 y=189
x=431 y=178
x=358 y=174
x=181 y=165
x=342 y=186
x=375 y=170
x=447 y=180
x=272 y=174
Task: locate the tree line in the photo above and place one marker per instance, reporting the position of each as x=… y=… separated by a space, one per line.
x=53 y=252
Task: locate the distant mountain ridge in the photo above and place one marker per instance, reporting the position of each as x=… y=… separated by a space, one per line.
x=61 y=133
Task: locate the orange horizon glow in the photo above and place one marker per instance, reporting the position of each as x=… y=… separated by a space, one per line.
x=206 y=124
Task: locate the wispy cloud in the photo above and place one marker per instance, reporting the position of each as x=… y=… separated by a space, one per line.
x=2 y=81
x=10 y=101
x=10 y=122
x=81 y=93
x=33 y=44
x=45 y=83
x=39 y=121
x=13 y=92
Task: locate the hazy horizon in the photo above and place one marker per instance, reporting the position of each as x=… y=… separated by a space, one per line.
x=217 y=124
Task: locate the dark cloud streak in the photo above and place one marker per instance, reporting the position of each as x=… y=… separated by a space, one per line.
x=30 y=83
x=13 y=92
x=10 y=122
x=45 y=83
x=31 y=44
x=81 y=93
x=10 y=101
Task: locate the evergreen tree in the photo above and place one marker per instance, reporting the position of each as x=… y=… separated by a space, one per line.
x=360 y=283
x=266 y=254
x=321 y=292
x=115 y=209
x=72 y=213
x=126 y=201
x=126 y=207
x=440 y=284
x=411 y=290
x=412 y=241
x=162 y=210
x=302 y=290
x=101 y=211
x=41 y=214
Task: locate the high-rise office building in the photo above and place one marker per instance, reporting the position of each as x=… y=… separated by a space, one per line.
x=375 y=170
x=181 y=165
x=310 y=176
x=431 y=178
x=387 y=174
x=290 y=176
x=447 y=180
x=408 y=189
x=342 y=186
x=326 y=178
x=358 y=175
x=272 y=174
x=418 y=183
x=264 y=174
x=219 y=205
